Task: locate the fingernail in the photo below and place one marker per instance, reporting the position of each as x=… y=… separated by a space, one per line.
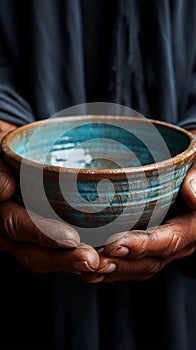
x=119 y=251
x=82 y=266
x=4 y=181
x=97 y=279
x=108 y=268
x=193 y=185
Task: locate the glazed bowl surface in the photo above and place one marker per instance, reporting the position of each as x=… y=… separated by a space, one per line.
x=113 y=173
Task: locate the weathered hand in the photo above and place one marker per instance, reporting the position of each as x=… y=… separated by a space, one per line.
x=60 y=250
x=138 y=255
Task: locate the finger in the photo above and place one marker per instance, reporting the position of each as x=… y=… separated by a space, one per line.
x=189 y=187
x=41 y=260
x=106 y=260
x=124 y=244
x=7 y=182
x=133 y=270
x=127 y=270
x=78 y=260
x=161 y=242
x=16 y=224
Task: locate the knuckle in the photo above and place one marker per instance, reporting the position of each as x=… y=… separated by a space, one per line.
x=177 y=243
x=141 y=243
x=172 y=244
x=139 y=248
x=8 y=227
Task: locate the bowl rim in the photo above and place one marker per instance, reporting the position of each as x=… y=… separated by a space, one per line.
x=188 y=153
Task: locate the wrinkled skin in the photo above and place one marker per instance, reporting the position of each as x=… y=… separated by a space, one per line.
x=35 y=251
x=127 y=256
x=139 y=255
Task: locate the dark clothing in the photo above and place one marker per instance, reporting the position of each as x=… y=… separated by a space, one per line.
x=58 y=53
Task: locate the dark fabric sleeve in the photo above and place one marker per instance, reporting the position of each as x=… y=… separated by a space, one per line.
x=13 y=107
x=184 y=46
x=189 y=118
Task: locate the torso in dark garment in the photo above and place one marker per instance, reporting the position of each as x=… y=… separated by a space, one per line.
x=62 y=53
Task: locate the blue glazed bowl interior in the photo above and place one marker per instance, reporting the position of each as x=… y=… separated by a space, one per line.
x=99 y=145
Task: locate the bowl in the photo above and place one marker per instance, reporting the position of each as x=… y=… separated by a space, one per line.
x=100 y=174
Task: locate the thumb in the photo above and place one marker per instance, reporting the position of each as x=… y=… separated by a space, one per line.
x=189 y=187
x=189 y=184
x=7 y=182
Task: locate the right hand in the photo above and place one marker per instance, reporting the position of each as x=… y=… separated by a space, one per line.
x=26 y=242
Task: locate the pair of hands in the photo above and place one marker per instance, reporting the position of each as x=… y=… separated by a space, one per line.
x=135 y=255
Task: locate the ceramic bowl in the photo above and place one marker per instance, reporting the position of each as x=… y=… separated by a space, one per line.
x=111 y=172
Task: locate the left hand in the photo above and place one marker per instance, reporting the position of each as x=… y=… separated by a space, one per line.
x=139 y=255
x=58 y=248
